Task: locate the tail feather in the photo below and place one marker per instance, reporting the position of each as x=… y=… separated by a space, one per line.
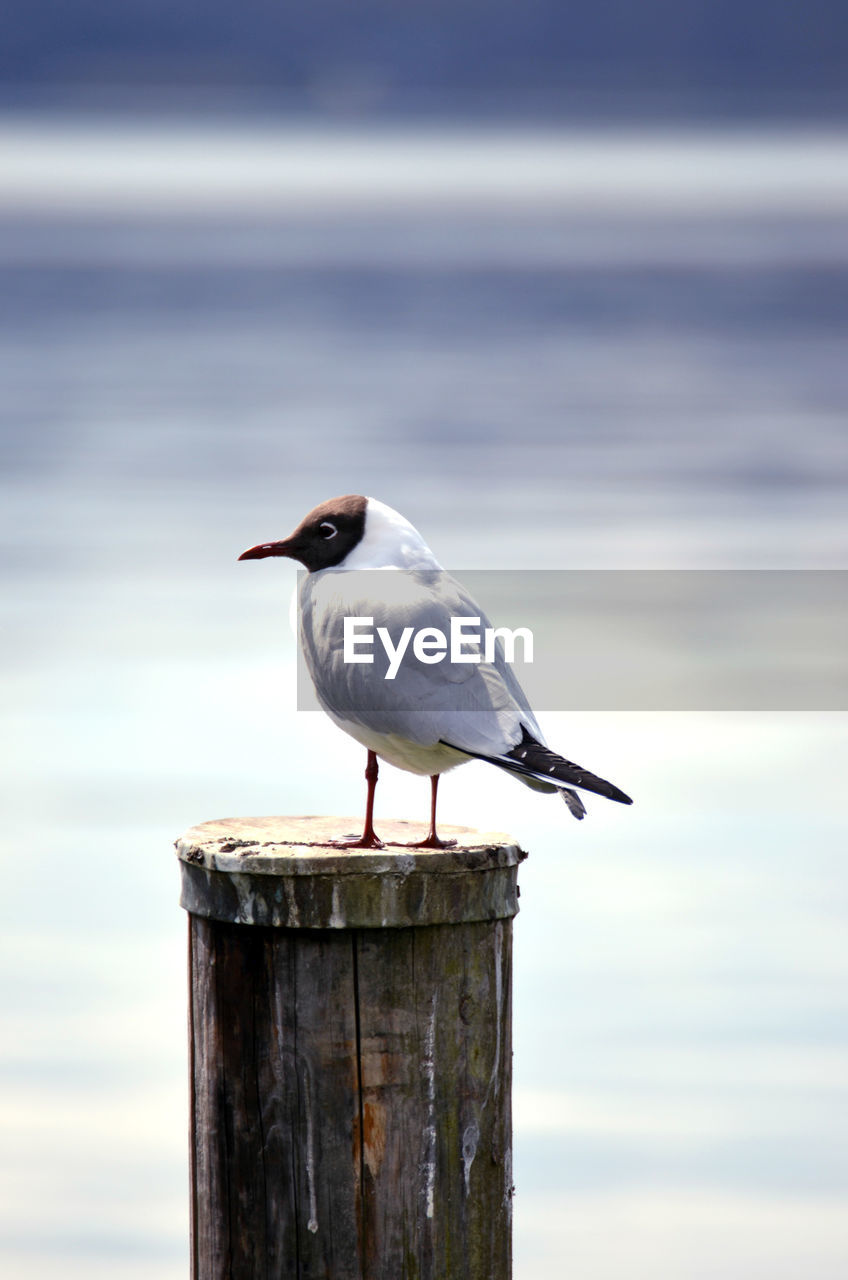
x=575 y=805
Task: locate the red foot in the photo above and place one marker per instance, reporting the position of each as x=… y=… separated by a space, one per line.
x=368 y=840
x=430 y=842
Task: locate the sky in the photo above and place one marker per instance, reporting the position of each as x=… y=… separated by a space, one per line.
x=569 y=296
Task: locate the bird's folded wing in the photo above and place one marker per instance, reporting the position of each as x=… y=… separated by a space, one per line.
x=476 y=706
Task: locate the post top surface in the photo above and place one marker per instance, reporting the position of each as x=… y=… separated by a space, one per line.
x=301 y=846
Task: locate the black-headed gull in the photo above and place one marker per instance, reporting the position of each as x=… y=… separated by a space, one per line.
x=434 y=712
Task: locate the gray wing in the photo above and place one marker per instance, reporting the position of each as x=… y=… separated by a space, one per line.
x=477 y=707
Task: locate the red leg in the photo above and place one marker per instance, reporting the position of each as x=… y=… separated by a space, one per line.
x=369 y=838
x=432 y=840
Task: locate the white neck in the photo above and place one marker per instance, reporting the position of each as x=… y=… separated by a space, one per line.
x=389 y=542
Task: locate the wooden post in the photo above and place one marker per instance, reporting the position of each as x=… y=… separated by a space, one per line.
x=351 y=1052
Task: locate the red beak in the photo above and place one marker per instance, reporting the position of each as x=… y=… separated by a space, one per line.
x=283 y=548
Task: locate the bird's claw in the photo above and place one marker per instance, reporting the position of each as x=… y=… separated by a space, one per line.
x=368 y=840
x=430 y=842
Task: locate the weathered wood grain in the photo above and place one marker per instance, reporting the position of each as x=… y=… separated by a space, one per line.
x=351 y=1088
x=282 y=871
x=436 y=1063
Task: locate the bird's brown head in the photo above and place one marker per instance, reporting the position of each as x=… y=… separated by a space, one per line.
x=324 y=538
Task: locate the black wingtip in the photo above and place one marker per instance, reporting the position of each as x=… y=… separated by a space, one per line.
x=615 y=793
x=532 y=760
x=531 y=756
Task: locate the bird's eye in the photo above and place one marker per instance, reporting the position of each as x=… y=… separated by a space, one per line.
x=327 y=530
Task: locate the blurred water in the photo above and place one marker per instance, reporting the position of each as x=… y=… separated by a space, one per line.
x=617 y=364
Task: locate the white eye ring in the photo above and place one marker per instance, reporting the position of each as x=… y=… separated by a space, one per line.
x=327 y=530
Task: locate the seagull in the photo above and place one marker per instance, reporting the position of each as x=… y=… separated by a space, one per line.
x=434 y=715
